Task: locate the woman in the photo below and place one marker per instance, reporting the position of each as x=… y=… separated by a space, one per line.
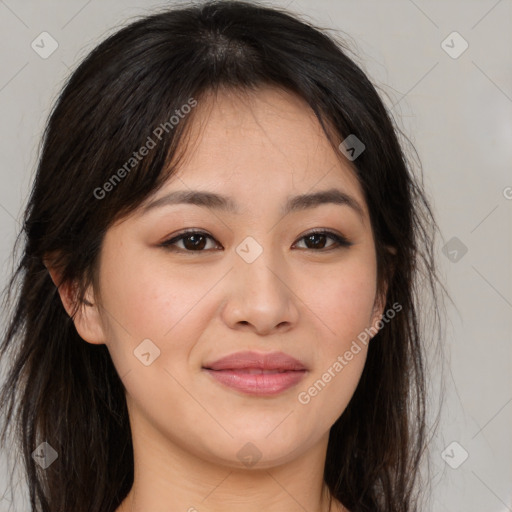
x=217 y=305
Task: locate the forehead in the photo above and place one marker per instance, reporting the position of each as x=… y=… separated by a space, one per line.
x=260 y=145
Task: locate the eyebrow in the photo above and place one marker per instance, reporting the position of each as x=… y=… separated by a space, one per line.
x=227 y=204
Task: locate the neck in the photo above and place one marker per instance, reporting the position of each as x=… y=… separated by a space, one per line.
x=168 y=477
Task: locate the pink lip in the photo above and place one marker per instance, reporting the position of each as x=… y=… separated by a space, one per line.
x=257 y=374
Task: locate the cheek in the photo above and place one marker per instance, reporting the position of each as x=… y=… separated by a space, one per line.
x=343 y=307
x=343 y=300
x=148 y=300
x=144 y=299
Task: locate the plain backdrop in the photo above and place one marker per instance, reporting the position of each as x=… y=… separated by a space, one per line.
x=455 y=104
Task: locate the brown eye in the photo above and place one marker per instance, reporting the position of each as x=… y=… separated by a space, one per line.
x=316 y=240
x=193 y=241
x=196 y=241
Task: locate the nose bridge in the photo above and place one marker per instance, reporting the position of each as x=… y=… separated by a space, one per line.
x=258 y=265
x=261 y=296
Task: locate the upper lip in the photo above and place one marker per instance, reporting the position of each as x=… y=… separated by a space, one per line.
x=263 y=361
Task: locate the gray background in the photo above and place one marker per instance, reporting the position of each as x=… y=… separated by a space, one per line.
x=457 y=111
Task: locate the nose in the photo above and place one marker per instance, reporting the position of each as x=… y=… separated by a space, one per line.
x=260 y=296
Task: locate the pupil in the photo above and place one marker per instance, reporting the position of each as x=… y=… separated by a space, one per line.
x=195 y=244
x=312 y=237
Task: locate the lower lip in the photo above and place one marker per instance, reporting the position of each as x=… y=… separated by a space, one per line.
x=263 y=384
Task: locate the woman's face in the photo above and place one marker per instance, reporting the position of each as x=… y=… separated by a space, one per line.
x=251 y=280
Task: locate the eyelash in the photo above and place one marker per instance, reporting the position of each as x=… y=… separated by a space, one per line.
x=340 y=241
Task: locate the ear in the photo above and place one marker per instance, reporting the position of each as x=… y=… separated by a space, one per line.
x=380 y=299
x=87 y=319
x=378 y=309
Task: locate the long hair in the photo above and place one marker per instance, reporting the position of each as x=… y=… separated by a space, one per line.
x=66 y=392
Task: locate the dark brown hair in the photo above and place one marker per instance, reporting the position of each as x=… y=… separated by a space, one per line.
x=64 y=391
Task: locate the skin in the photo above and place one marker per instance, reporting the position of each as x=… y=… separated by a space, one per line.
x=199 y=306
